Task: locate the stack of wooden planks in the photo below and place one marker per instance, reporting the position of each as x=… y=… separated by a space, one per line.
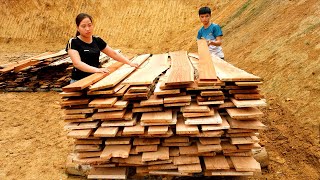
x=166 y=121
x=44 y=72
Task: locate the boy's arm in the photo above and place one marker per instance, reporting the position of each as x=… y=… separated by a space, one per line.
x=217 y=42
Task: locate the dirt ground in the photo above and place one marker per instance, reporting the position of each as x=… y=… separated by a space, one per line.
x=276 y=40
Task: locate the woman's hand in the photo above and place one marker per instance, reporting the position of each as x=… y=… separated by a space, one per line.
x=103 y=70
x=133 y=64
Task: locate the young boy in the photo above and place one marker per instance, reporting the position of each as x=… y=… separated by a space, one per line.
x=211 y=32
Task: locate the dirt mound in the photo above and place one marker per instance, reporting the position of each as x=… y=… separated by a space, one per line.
x=276 y=40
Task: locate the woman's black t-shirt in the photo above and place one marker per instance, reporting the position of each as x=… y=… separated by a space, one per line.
x=89 y=54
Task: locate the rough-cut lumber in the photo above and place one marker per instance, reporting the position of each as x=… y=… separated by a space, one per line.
x=248 y=103
x=182 y=128
x=216 y=162
x=181 y=160
x=152 y=101
x=206 y=67
x=247 y=124
x=106 y=132
x=108 y=173
x=161 y=154
x=245 y=164
x=157 y=117
x=182 y=71
x=158 y=129
x=190 y=168
x=110 y=151
x=209 y=140
x=80 y=133
x=210 y=127
x=115 y=77
x=195 y=108
x=149 y=70
x=214 y=119
x=248 y=83
x=244 y=113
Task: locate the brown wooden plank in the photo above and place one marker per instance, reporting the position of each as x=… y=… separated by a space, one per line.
x=206 y=67
x=161 y=154
x=210 y=127
x=149 y=70
x=216 y=163
x=148 y=109
x=178 y=99
x=248 y=103
x=118 y=140
x=107 y=91
x=214 y=119
x=195 y=108
x=110 y=151
x=133 y=130
x=103 y=102
x=115 y=77
x=81 y=125
x=209 y=140
x=73 y=102
x=248 y=96
x=157 y=117
x=106 y=132
x=182 y=71
x=247 y=124
x=182 y=128
x=78 y=111
x=108 y=173
x=248 y=83
x=244 y=91
x=202 y=148
x=146 y=148
x=230 y=172
x=146 y=141
x=153 y=100
x=245 y=164
x=190 y=168
x=80 y=133
x=244 y=113
x=181 y=160
x=244 y=140
x=112 y=115
x=201 y=114
x=120 y=122
x=158 y=129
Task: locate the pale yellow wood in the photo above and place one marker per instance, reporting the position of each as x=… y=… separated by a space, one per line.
x=153 y=100
x=133 y=130
x=80 y=133
x=158 y=91
x=243 y=140
x=158 y=129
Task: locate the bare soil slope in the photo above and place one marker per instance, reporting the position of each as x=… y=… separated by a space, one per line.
x=277 y=40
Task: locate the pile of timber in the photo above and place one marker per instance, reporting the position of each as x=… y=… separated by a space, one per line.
x=44 y=72
x=178 y=114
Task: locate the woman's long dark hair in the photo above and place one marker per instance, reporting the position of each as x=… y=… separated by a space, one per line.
x=79 y=18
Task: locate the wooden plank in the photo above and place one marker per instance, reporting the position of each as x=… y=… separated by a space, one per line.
x=245 y=164
x=163 y=167
x=158 y=91
x=149 y=70
x=195 y=108
x=75 y=116
x=158 y=129
x=106 y=132
x=112 y=115
x=146 y=148
x=110 y=109
x=182 y=71
x=118 y=140
x=244 y=91
x=190 y=168
x=248 y=83
x=208 y=147
x=177 y=139
x=103 y=102
x=178 y=99
x=230 y=172
x=177 y=104
x=115 y=77
x=210 y=127
x=244 y=140
x=88 y=141
x=146 y=141
x=216 y=163
x=148 y=109
x=173 y=121
x=84 y=83
x=248 y=96
x=133 y=130
x=88 y=154
x=169 y=173
x=86 y=147
x=73 y=102
x=209 y=102
x=244 y=113
x=215 y=119
x=121 y=151
x=174 y=151
x=152 y=101
x=80 y=133
x=83 y=125
x=107 y=91
x=79 y=111
x=182 y=128
x=108 y=173
x=157 y=117
x=211 y=93
x=70 y=94
x=181 y=160
x=206 y=67
x=210 y=140
x=247 y=124
x=138 y=89
x=161 y=154
x=120 y=122
x=202 y=114
x=176 y=144
x=248 y=103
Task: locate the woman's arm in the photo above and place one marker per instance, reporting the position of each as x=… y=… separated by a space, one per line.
x=76 y=60
x=118 y=57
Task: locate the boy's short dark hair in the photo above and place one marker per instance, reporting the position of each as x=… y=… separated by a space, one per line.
x=204 y=10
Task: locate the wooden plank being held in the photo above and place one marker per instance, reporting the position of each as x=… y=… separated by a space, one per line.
x=206 y=67
x=149 y=70
x=117 y=76
x=182 y=71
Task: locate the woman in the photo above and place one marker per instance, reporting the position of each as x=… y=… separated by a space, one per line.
x=84 y=50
